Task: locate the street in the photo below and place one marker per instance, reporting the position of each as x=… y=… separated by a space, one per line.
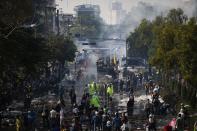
x=93 y=65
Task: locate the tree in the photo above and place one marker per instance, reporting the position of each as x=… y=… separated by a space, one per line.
x=176 y=16
x=63 y=49
x=140 y=40
x=24 y=58
x=14 y=13
x=172 y=47
x=176 y=52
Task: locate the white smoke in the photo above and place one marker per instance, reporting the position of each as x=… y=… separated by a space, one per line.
x=149 y=9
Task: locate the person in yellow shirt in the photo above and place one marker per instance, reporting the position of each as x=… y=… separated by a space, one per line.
x=94 y=101
x=97 y=87
x=110 y=90
x=18 y=123
x=195 y=126
x=91 y=88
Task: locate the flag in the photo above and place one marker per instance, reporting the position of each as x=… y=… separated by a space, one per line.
x=114 y=59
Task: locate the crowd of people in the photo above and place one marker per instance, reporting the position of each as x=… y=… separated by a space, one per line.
x=94 y=113
x=181 y=122
x=154 y=107
x=97 y=111
x=91 y=113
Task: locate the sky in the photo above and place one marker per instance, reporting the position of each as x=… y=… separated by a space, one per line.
x=105 y=5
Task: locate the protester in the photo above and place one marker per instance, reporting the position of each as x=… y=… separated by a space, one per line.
x=18 y=123
x=124 y=118
x=72 y=95
x=53 y=118
x=0 y=119
x=31 y=118
x=151 y=123
x=167 y=128
x=111 y=105
x=130 y=105
x=45 y=116
x=195 y=126
x=65 y=126
x=83 y=100
x=94 y=101
x=62 y=112
x=179 y=123
x=110 y=90
x=173 y=123
x=148 y=108
x=146 y=86
x=108 y=126
x=75 y=110
x=117 y=122
x=156 y=105
x=96 y=121
x=124 y=121
x=105 y=118
x=124 y=127
x=92 y=89
x=76 y=126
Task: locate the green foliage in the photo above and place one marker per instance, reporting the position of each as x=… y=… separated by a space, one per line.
x=63 y=49
x=140 y=40
x=22 y=50
x=25 y=55
x=15 y=12
x=172 y=48
x=176 y=16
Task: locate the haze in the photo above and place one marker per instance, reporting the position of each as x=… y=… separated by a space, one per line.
x=160 y=5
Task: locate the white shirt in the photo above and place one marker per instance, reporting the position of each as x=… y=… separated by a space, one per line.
x=151 y=120
x=124 y=127
x=53 y=113
x=61 y=113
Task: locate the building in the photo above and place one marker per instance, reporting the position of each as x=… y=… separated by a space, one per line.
x=89 y=21
x=65 y=22
x=195 y=8
x=118 y=11
x=45 y=16
x=90 y=10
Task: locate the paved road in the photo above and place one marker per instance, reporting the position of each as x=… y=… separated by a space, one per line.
x=138 y=120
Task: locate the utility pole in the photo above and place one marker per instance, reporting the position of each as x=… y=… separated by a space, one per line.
x=127 y=48
x=58 y=23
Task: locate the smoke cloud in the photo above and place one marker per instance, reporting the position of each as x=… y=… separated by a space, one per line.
x=149 y=9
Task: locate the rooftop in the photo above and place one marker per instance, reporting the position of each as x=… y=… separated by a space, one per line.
x=87 y=7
